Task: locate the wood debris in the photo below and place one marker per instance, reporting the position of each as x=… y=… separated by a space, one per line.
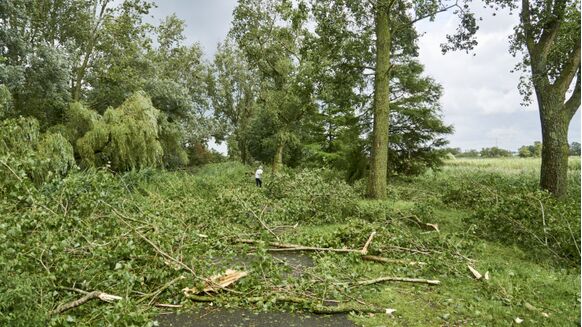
x=217 y=282
x=87 y=297
x=390 y=311
x=433 y=226
x=518 y=320
x=475 y=273
x=365 y=248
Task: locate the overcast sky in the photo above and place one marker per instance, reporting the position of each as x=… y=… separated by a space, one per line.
x=480 y=97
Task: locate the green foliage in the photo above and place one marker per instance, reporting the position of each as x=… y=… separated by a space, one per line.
x=534 y=150
x=124 y=138
x=313 y=196
x=27 y=155
x=468 y=154
x=507 y=206
x=575 y=149
x=495 y=152
x=85 y=231
x=171 y=139
x=5 y=101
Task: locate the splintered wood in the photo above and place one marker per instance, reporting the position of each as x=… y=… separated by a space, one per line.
x=217 y=282
x=475 y=273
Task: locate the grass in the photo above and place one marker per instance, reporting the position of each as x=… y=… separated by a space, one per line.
x=504 y=165
x=75 y=232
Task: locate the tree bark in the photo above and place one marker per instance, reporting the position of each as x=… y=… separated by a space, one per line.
x=379 y=159
x=278 y=159
x=554 y=170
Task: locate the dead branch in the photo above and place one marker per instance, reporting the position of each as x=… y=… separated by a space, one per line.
x=296 y=247
x=387 y=260
x=365 y=248
x=396 y=279
x=87 y=297
x=165 y=305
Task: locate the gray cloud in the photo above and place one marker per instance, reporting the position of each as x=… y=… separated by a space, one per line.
x=207 y=21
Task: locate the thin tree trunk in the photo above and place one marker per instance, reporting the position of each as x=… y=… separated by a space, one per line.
x=554 y=170
x=278 y=159
x=379 y=159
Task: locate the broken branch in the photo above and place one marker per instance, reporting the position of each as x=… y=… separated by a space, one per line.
x=87 y=297
x=397 y=279
x=365 y=248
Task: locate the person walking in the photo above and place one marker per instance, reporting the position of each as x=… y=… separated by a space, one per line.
x=258 y=176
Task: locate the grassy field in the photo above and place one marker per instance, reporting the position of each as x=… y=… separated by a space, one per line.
x=505 y=165
x=133 y=236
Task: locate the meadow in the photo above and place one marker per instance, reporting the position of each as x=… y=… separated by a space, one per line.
x=147 y=235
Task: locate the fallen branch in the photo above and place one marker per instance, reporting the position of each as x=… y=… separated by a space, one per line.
x=165 y=305
x=87 y=297
x=365 y=248
x=387 y=260
x=281 y=247
x=396 y=279
x=218 y=282
x=296 y=247
x=475 y=273
x=156 y=248
x=258 y=218
x=309 y=305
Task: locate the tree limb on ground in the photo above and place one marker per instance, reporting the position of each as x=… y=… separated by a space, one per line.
x=280 y=247
x=309 y=305
x=87 y=297
x=396 y=279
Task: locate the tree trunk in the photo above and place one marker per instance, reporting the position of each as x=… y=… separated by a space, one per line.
x=554 y=170
x=379 y=159
x=278 y=160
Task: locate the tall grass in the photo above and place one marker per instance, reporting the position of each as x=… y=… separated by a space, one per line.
x=504 y=165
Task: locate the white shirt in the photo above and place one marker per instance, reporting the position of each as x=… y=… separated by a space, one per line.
x=259 y=173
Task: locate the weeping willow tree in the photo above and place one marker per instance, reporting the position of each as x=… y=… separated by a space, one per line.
x=27 y=153
x=124 y=138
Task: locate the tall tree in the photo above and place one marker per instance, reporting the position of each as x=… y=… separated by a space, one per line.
x=549 y=32
x=548 y=38
x=270 y=33
x=391 y=23
x=232 y=88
